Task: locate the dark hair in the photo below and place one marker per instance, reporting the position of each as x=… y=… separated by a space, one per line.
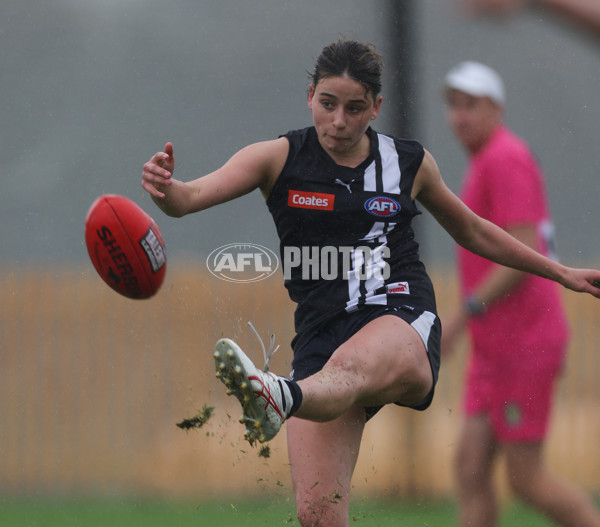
x=360 y=62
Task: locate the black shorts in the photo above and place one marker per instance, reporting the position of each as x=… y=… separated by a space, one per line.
x=313 y=349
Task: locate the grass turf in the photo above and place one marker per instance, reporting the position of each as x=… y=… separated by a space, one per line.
x=234 y=513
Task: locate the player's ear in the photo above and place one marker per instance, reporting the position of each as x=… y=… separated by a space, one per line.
x=311 y=94
x=376 y=108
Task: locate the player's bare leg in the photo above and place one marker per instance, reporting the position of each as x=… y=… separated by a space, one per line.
x=322 y=459
x=531 y=481
x=384 y=362
x=474 y=468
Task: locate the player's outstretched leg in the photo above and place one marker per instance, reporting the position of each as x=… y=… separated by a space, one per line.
x=265 y=398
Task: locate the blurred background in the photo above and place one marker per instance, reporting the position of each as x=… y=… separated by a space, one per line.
x=91 y=384
x=92 y=88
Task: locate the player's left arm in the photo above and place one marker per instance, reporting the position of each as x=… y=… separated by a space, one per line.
x=488 y=240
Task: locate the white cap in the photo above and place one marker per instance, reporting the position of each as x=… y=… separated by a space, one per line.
x=477 y=80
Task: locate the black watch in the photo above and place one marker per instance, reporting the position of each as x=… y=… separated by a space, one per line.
x=474 y=306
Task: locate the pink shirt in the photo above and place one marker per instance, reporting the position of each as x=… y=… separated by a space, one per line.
x=505 y=185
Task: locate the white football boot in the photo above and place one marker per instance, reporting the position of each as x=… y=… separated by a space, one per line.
x=262 y=394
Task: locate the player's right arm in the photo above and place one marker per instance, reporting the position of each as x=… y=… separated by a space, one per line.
x=488 y=240
x=255 y=166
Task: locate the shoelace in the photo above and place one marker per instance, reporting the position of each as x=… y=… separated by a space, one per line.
x=267 y=354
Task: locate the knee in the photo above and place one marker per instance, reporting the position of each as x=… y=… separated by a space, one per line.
x=471 y=474
x=523 y=487
x=526 y=473
x=467 y=475
x=345 y=363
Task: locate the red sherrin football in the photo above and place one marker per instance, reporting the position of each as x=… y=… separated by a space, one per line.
x=125 y=246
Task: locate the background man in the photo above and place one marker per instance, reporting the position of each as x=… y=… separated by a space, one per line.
x=517 y=325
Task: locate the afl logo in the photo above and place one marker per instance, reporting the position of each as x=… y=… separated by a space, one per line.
x=242 y=262
x=382 y=206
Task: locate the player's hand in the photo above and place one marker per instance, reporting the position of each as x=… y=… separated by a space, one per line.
x=158 y=172
x=584 y=281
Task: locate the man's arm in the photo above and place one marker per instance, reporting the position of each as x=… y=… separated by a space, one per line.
x=584 y=12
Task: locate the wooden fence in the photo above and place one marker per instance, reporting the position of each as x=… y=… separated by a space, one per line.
x=93 y=384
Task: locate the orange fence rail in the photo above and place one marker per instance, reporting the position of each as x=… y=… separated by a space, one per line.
x=93 y=384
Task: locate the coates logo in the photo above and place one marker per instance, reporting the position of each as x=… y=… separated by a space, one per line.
x=310 y=200
x=242 y=262
x=382 y=206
